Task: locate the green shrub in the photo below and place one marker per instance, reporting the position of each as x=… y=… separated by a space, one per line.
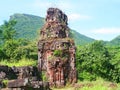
x=22 y=62
x=44 y=78
x=5 y=82
x=57 y=53
x=93 y=61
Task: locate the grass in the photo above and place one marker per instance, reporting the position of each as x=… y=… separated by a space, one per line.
x=22 y=62
x=5 y=82
x=93 y=85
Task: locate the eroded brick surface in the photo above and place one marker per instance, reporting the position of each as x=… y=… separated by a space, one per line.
x=56 y=51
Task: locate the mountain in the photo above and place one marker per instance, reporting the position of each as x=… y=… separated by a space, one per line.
x=115 y=41
x=80 y=39
x=28 y=27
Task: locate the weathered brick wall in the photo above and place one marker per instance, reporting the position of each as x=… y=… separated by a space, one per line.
x=21 y=78
x=56 y=51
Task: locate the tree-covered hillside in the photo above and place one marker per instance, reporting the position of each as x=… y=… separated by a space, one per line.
x=80 y=39
x=115 y=41
x=28 y=26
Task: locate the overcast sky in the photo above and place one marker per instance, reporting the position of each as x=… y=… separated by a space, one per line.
x=98 y=19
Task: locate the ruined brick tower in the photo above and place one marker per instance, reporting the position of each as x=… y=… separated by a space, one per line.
x=56 y=51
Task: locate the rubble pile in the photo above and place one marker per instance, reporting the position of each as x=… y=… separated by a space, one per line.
x=21 y=78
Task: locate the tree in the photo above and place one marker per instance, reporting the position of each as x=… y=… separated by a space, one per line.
x=0 y=36
x=115 y=61
x=7 y=30
x=12 y=48
x=93 y=60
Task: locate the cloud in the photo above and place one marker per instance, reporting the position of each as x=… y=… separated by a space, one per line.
x=76 y=16
x=64 y=5
x=46 y=4
x=67 y=7
x=107 y=31
x=41 y=4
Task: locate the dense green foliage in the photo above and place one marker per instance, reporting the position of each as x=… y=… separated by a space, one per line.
x=28 y=27
x=97 y=60
x=12 y=48
x=115 y=61
x=57 y=53
x=7 y=30
x=7 y=40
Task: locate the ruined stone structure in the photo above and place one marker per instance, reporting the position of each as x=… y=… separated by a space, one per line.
x=56 y=51
x=21 y=78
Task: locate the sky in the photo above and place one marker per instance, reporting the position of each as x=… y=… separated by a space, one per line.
x=98 y=19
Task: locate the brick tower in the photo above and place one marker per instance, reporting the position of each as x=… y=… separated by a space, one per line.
x=56 y=50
